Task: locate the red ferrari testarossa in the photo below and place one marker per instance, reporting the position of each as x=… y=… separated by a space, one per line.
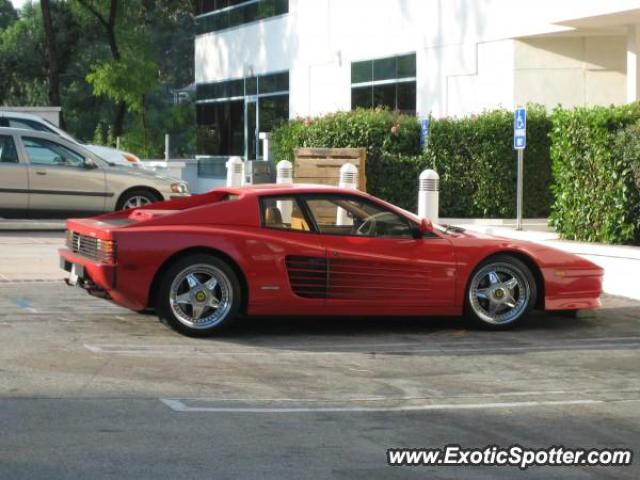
x=201 y=262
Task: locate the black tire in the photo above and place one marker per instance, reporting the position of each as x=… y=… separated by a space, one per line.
x=477 y=311
x=148 y=196
x=229 y=288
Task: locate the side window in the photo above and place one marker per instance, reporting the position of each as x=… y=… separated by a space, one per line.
x=47 y=153
x=16 y=123
x=283 y=213
x=336 y=215
x=8 y=152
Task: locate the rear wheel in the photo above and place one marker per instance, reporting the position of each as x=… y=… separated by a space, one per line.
x=199 y=296
x=137 y=199
x=501 y=292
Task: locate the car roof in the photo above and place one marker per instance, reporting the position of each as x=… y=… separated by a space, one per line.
x=48 y=136
x=25 y=116
x=30 y=133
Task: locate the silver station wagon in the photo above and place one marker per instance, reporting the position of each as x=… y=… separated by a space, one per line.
x=44 y=175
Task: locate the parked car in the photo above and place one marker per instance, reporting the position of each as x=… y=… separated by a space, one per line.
x=44 y=175
x=28 y=121
x=201 y=262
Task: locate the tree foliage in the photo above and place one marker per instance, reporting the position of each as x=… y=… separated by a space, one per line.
x=103 y=73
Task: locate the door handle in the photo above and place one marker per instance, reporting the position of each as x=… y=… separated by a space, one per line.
x=41 y=172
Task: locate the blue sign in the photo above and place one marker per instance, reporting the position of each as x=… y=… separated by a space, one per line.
x=424 y=131
x=520 y=129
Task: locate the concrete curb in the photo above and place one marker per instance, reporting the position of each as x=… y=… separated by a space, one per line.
x=32 y=226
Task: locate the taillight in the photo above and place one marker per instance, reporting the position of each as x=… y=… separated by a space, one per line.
x=106 y=251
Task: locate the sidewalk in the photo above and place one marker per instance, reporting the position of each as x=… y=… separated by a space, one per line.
x=621 y=263
x=7 y=225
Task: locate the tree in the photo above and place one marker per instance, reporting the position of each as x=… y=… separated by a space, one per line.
x=53 y=66
x=108 y=23
x=8 y=14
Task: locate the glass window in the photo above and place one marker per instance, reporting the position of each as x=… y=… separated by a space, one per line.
x=219 y=15
x=385 y=69
x=406 y=66
x=385 y=96
x=283 y=213
x=406 y=96
x=221 y=128
x=362 y=97
x=361 y=72
x=45 y=152
x=335 y=215
x=385 y=82
x=28 y=125
x=8 y=152
x=221 y=113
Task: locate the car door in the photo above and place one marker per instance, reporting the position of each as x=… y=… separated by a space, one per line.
x=291 y=260
x=14 y=179
x=376 y=265
x=61 y=179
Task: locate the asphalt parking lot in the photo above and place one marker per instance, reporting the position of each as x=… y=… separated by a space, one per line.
x=90 y=390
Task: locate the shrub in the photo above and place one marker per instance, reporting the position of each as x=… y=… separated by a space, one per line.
x=474 y=157
x=379 y=131
x=594 y=151
x=478 y=165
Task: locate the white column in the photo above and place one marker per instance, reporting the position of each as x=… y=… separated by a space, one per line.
x=633 y=63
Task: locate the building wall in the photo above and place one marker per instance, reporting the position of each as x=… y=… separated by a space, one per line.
x=469 y=55
x=571 y=71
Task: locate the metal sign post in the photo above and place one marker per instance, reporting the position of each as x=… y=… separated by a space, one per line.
x=520 y=143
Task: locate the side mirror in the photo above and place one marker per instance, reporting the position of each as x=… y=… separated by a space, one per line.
x=89 y=164
x=423 y=228
x=426 y=226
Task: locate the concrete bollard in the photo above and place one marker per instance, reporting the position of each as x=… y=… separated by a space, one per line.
x=429 y=196
x=285 y=177
x=348 y=180
x=235 y=172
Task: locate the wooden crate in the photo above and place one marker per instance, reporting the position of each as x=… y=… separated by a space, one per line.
x=322 y=165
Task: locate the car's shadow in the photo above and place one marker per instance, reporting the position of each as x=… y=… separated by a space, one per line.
x=539 y=332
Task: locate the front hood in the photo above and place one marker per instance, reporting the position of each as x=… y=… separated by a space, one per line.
x=125 y=171
x=545 y=256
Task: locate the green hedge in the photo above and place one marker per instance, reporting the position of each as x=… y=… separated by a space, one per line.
x=474 y=157
x=594 y=152
x=478 y=165
x=380 y=131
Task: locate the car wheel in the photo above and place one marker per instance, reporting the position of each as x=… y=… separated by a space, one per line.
x=502 y=291
x=136 y=199
x=199 y=296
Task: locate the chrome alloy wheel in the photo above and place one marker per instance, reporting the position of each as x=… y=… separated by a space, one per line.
x=137 y=201
x=201 y=296
x=499 y=293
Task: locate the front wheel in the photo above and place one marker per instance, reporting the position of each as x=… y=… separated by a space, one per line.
x=199 y=296
x=501 y=292
x=136 y=199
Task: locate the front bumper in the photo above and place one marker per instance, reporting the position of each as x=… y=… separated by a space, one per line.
x=175 y=196
x=573 y=289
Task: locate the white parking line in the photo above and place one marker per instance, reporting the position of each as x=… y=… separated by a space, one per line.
x=178 y=405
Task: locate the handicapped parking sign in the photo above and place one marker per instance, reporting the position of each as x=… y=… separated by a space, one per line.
x=520 y=129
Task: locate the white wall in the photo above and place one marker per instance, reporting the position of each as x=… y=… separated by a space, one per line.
x=467 y=59
x=572 y=71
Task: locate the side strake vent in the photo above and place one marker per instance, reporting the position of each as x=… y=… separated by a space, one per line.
x=308 y=276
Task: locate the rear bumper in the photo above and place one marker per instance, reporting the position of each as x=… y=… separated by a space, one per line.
x=102 y=276
x=98 y=279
